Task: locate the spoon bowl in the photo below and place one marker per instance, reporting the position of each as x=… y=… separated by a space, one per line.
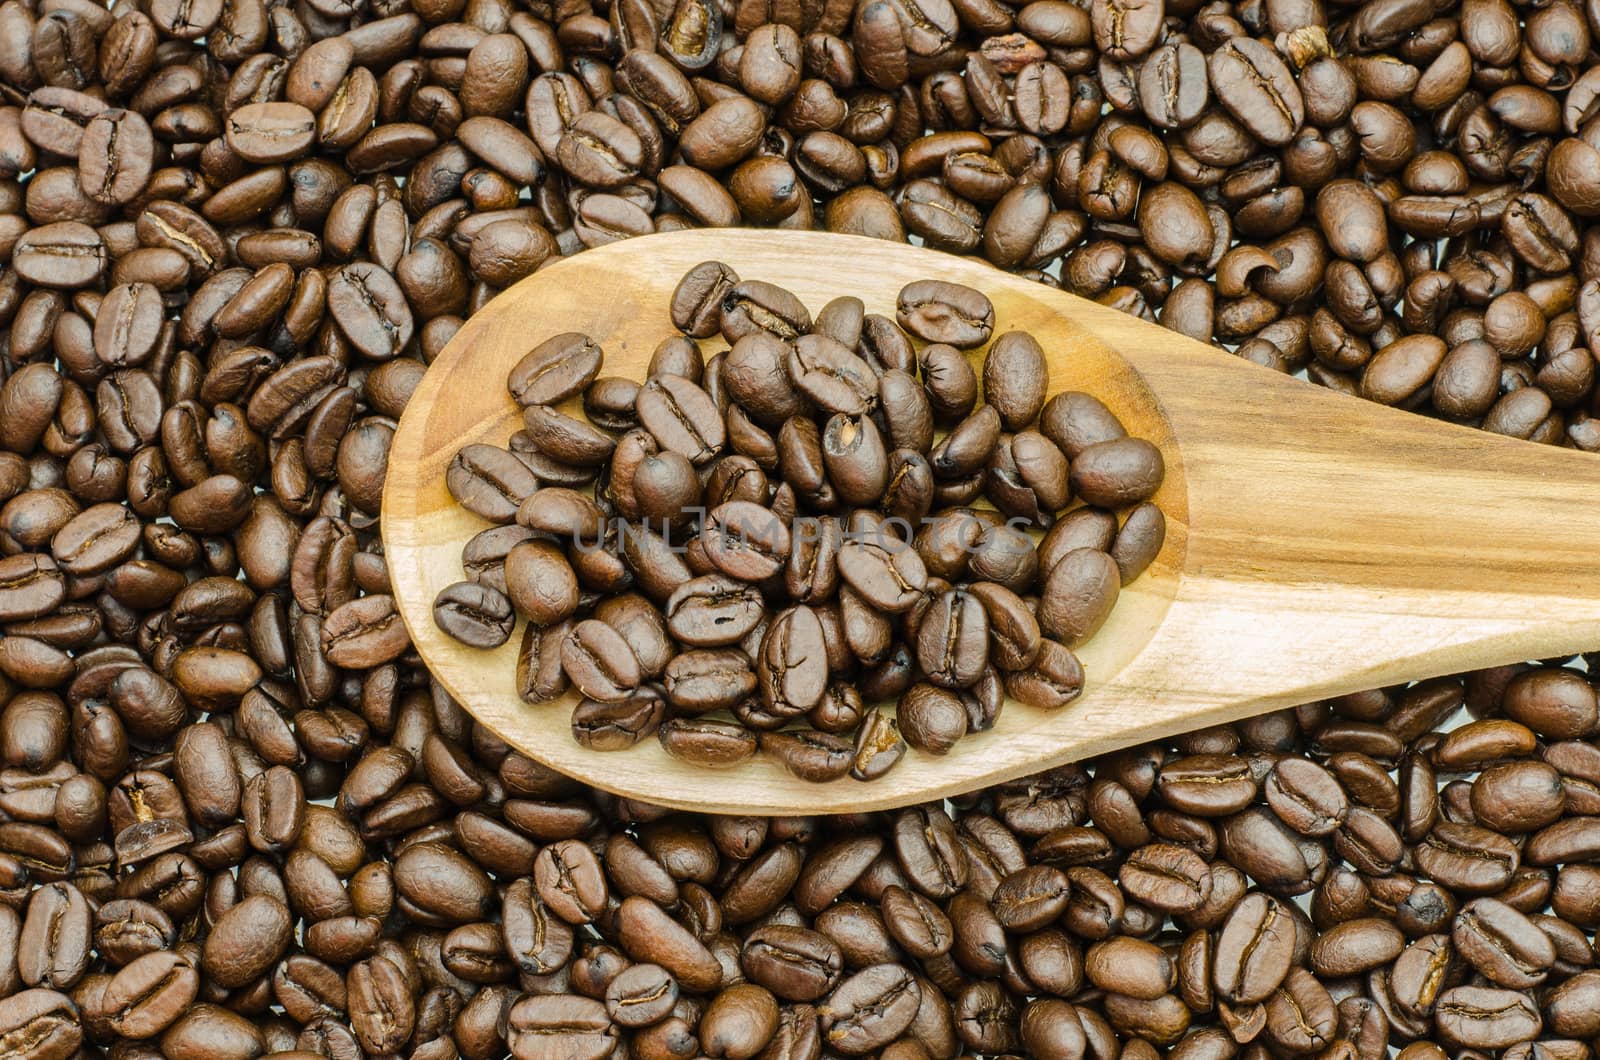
x=1316 y=544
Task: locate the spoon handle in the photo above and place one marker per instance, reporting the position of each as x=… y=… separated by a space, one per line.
x=1321 y=525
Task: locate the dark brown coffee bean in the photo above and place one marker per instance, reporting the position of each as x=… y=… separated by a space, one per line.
x=746 y=541
x=1257 y=88
x=887 y=573
x=870 y=1009
x=247 y=940
x=1254 y=950
x=115 y=156
x=66 y=254
x=1078 y=595
x=708 y=743
x=1015 y=378
x=682 y=417
x=709 y=679
x=792 y=669
x=931 y=718
x=754 y=305
x=490 y=482
x=476 y=615
x=555 y=370
x=365 y=633
x=832 y=378
x=953 y=640
x=582 y=1026
x=1167 y=877
x=47 y=1021
x=879 y=746
x=1054 y=679
x=812 y=756
x=149 y=994
x=945 y=312
x=599 y=662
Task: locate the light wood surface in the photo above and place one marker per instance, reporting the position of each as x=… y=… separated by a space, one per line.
x=1318 y=544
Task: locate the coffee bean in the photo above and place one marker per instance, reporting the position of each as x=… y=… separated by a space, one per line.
x=931 y=718
x=115 y=156
x=945 y=312
x=745 y=541
x=950 y=384
x=888 y=574
x=812 y=756
x=599 y=662
x=247 y=940
x=953 y=640
x=870 y=1009
x=754 y=306
x=682 y=417
x=708 y=743
x=364 y=633
x=1485 y=1017
x=1257 y=88
x=1054 y=679
x=1079 y=593
x=555 y=370
x=832 y=378
x=1117 y=473
x=490 y=482
x=792 y=668
x=1254 y=950
x=149 y=994
x=65 y=254
x=1015 y=379
x=474 y=614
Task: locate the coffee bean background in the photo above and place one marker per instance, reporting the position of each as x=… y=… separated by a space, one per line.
x=241 y=819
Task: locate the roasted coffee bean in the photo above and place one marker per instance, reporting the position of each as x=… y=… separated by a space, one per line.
x=599 y=662
x=1167 y=877
x=703 y=742
x=697 y=300
x=490 y=482
x=709 y=679
x=1254 y=83
x=714 y=610
x=1015 y=379
x=746 y=541
x=812 y=756
x=1117 y=473
x=754 y=306
x=888 y=574
x=879 y=746
x=870 y=1009
x=792 y=669
x=555 y=370
x=149 y=994
x=474 y=614
x=1306 y=797
x=831 y=377
x=365 y=633
x=1078 y=595
x=945 y=312
x=1054 y=678
x=1255 y=950
x=1502 y=943
x=1486 y=1017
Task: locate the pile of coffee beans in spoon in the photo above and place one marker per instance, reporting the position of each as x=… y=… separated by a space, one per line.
x=785 y=531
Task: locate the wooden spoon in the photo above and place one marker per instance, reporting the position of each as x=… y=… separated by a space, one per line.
x=1317 y=544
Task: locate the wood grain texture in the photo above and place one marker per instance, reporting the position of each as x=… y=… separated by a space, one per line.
x=1318 y=544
